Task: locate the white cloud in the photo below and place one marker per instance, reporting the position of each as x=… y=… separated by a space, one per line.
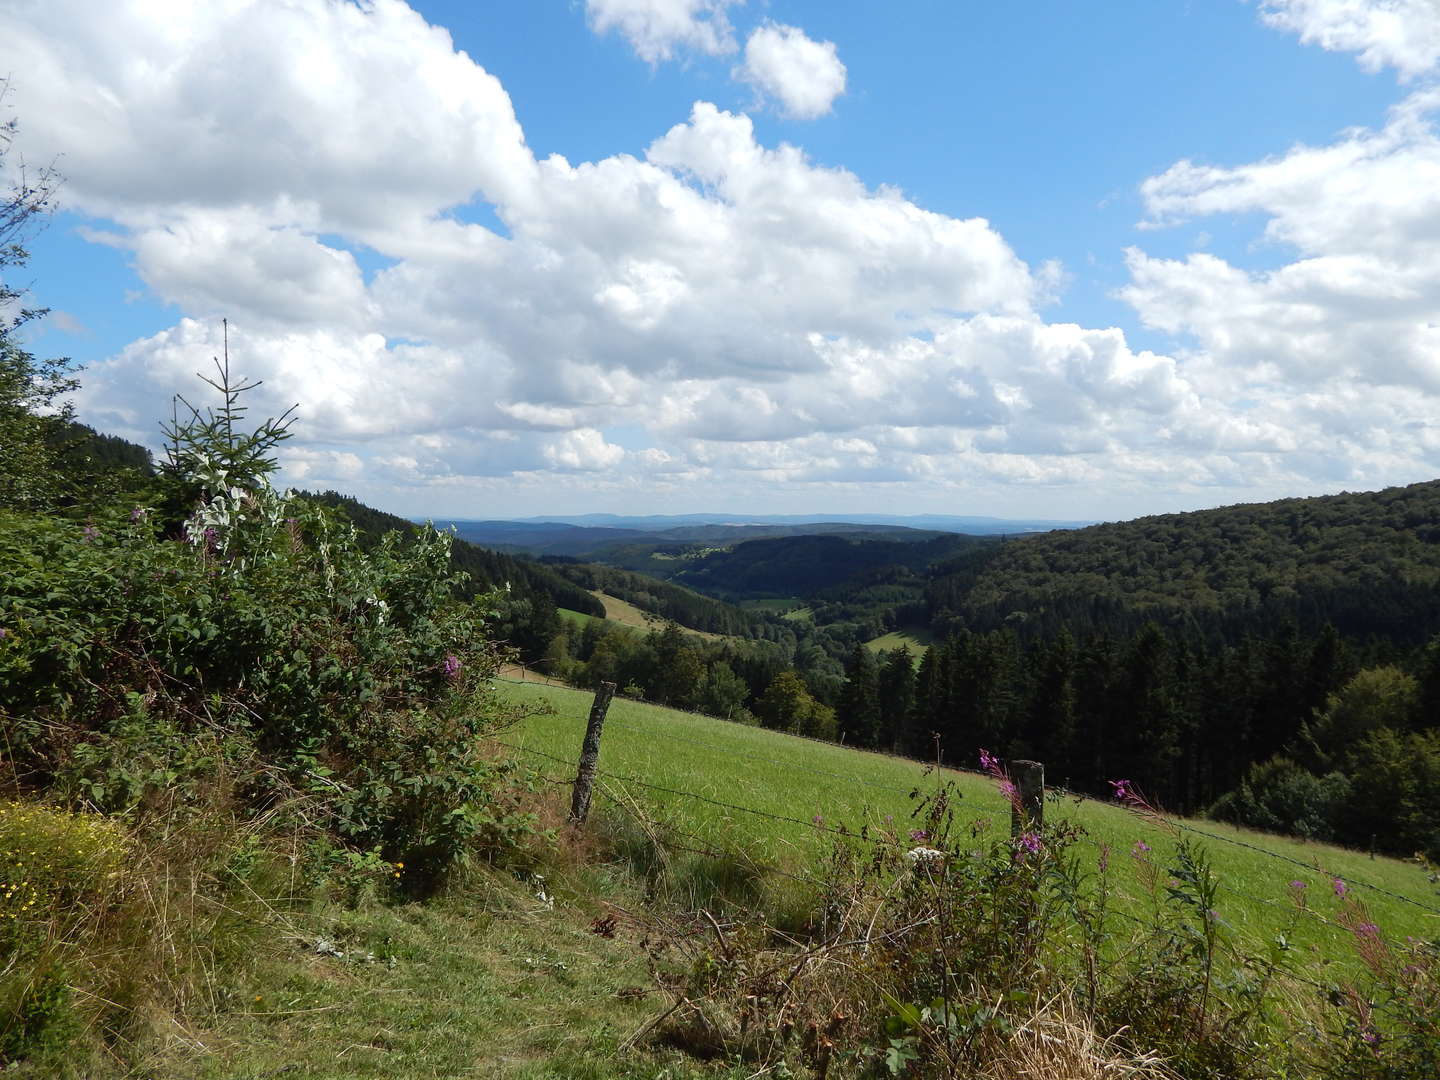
x=658 y=29
x=762 y=319
x=804 y=76
x=1359 y=304
x=1332 y=357
x=1403 y=34
x=583 y=449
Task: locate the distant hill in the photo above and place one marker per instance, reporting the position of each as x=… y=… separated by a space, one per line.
x=614 y=543
x=1367 y=563
x=670 y=525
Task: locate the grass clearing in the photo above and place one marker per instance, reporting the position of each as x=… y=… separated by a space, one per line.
x=579 y=618
x=488 y=982
x=916 y=638
x=788 y=777
x=627 y=614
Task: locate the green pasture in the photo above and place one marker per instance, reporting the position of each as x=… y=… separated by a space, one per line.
x=821 y=783
x=917 y=639
x=579 y=618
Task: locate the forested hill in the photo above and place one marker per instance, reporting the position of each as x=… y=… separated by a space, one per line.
x=804 y=565
x=1368 y=564
x=528 y=619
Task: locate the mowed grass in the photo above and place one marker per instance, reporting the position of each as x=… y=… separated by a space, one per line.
x=788 y=786
x=486 y=983
x=579 y=618
x=917 y=639
x=627 y=614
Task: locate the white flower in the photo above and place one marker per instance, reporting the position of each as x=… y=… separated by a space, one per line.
x=926 y=855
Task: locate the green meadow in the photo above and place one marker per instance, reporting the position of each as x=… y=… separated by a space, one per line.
x=783 y=796
x=917 y=639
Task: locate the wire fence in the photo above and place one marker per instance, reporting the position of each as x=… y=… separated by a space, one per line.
x=822 y=826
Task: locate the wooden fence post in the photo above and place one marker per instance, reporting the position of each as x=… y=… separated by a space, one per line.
x=589 y=754
x=1027 y=813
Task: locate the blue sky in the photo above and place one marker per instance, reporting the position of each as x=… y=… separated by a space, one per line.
x=1040 y=259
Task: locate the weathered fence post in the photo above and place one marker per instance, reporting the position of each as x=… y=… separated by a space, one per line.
x=1027 y=812
x=589 y=754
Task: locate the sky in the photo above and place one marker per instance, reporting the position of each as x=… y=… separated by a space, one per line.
x=1040 y=259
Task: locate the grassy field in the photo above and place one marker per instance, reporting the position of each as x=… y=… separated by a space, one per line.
x=626 y=614
x=578 y=618
x=490 y=982
x=917 y=638
x=813 y=783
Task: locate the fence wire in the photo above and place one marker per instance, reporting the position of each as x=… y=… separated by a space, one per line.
x=839 y=830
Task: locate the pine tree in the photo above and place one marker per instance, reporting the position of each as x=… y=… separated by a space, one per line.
x=857 y=715
x=897 y=696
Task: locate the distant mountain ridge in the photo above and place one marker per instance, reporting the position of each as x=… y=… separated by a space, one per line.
x=977 y=524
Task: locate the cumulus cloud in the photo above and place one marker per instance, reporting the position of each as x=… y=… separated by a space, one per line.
x=1332 y=357
x=658 y=29
x=1403 y=34
x=785 y=65
x=758 y=318
x=1363 y=214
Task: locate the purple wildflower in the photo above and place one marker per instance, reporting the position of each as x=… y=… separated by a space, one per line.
x=1340 y=889
x=818 y=821
x=919 y=835
x=1140 y=850
x=987 y=761
x=1370 y=1037
x=1367 y=929
x=90 y=534
x=1297 y=885
x=138 y=514
x=451 y=665
x=4 y=633
x=1123 y=792
x=1029 y=842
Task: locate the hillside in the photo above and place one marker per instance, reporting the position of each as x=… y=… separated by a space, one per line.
x=1367 y=563
x=778 y=797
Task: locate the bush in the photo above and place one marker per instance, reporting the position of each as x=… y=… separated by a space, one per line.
x=1280 y=796
x=60 y=873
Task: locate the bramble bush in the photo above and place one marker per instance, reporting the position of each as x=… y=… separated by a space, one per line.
x=226 y=685
x=235 y=608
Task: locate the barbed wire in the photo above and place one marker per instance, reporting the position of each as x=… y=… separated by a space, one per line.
x=818 y=826
x=1064 y=791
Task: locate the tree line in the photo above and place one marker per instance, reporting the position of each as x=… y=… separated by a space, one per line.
x=1293 y=732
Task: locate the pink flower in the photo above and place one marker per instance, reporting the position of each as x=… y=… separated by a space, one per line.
x=451 y=666
x=1340 y=889
x=1140 y=849
x=1029 y=842
x=919 y=835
